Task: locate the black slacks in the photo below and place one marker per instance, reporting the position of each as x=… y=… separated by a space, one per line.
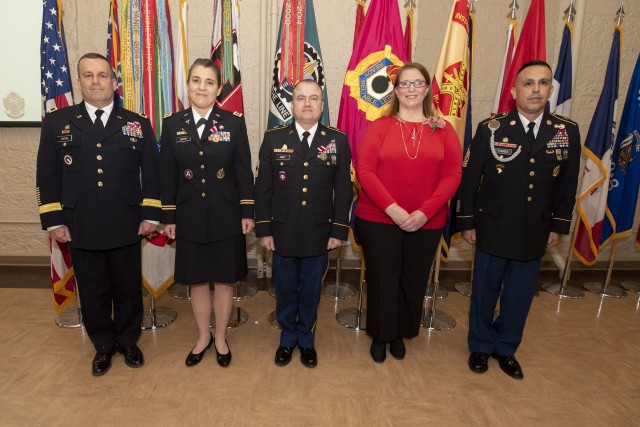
x=109 y=283
x=398 y=265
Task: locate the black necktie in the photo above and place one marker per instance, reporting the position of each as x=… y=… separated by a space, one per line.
x=201 y=122
x=98 y=123
x=305 y=141
x=531 y=135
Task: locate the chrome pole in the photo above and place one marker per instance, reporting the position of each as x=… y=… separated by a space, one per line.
x=157 y=316
x=338 y=289
x=356 y=317
x=71 y=318
x=604 y=289
x=465 y=287
x=433 y=319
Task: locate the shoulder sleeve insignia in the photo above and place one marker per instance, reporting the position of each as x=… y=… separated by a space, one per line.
x=277 y=127
x=237 y=114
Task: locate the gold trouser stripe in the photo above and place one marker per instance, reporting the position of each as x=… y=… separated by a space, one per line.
x=50 y=207
x=154 y=203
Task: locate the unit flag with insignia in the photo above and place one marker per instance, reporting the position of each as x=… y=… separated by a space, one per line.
x=226 y=54
x=297 y=57
x=56 y=93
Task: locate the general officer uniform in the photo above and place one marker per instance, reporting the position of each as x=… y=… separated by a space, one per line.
x=515 y=191
x=101 y=182
x=303 y=197
x=207 y=188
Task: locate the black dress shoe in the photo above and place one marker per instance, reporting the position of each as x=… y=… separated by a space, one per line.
x=378 y=351
x=510 y=366
x=101 y=363
x=194 y=358
x=397 y=349
x=283 y=355
x=133 y=356
x=224 y=359
x=478 y=362
x=309 y=357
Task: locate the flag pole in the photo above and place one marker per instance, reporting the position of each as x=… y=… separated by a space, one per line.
x=432 y=319
x=562 y=289
x=71 y=318
x=465 y=287
x=355 y=317
x=338 y=290
x=603 y=288
x=157 y=316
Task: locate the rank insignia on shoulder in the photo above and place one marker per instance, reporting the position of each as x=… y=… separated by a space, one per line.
x=166 y=116
x=237 y=114
x=143 y=115
x=52 y=110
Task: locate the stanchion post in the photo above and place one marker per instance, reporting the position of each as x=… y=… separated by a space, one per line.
x=465 y=287
x=338 y=290
x=355 y=317
x=562 y=289
x=603 y=288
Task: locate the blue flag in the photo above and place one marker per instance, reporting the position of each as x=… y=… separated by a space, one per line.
x=282 y=90
x=560 y=101
x=625 y=175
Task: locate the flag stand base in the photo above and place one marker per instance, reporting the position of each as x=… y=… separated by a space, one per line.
x=158 y=317
x=237 y=318
x=179 y=291
x=338 y=289
x=437 y=320
x=243 y=290
x=464 y=288
x=273 y=320
x=355 y=317
x=631 y=286
x=605 y=291
x=566 y=292
x=70 y=318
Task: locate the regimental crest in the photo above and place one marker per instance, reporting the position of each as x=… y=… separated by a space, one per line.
x=281 y=97
x=629 y=150
x=371 y=82
x=14 y=105
x=452 y=95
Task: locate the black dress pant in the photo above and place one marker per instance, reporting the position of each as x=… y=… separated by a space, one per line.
x=397 y=271
x=109 y=282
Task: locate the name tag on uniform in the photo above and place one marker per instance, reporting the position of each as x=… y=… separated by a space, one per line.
x=64 y=138
x=280 y=157
x=183 y=138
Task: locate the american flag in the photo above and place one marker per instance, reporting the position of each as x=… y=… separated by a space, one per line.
x=56 y=93
x=54 y=64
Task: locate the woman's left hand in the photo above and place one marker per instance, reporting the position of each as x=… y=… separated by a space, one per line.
x=247 y=225
x=415 y=221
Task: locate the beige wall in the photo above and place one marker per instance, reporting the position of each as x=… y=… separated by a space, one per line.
x=85 y=24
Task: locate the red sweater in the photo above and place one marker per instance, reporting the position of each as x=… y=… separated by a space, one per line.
x=388 y=174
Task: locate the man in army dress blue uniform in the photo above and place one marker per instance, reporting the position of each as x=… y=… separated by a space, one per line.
x=97 y=191
x=303 y=197
x=517 y=196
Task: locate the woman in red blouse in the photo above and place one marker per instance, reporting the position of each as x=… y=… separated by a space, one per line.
x=409 y=165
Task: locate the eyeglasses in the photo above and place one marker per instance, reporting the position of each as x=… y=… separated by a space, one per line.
x=416 y=84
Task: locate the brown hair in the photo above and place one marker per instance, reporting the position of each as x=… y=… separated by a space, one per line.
x=206 y=63
x=427 y=105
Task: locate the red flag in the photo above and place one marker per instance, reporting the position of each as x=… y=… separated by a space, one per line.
x=359 y=19
x=372 y=61
x=408 y=34
x=531 y=46
x=506 y=64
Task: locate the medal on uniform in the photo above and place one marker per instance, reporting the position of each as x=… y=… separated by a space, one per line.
x=556 y=171
x=215 y=137
x=323 y=156
x=220 y=173
x=333 y=159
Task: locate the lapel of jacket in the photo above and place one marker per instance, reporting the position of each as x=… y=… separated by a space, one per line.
x=82 y=121
x=545 y=133
x=514 y=130
x=115 y=123
x=292 y=140
x=190 y=126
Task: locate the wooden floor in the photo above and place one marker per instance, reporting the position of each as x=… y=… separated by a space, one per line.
x=581 y=360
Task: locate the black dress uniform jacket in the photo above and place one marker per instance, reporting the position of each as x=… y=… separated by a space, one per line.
x=208 y=179
x=514 y=195
x=100 y=185
x=303 y=194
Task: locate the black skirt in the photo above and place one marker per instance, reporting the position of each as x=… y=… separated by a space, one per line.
x=223 y=261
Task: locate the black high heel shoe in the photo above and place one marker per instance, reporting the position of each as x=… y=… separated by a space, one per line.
x=194 y=359
x=223 y=359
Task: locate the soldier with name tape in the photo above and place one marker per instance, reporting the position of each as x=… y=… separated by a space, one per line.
x=97 y=190
x=517 y=196
x=303 y=197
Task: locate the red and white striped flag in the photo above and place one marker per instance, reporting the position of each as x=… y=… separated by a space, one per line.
x=56 y=93
x=506 y=64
